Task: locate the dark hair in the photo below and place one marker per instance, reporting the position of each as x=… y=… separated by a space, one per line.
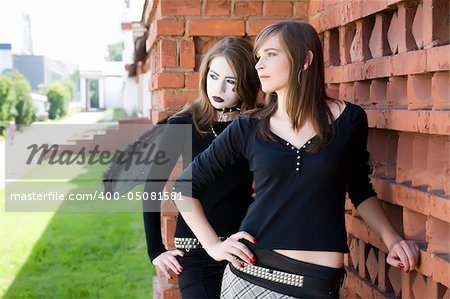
x=306 y=98
x=239 y=55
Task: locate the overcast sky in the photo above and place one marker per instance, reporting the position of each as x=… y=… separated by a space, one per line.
x=72 y=30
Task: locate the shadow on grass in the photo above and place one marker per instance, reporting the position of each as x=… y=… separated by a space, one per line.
x=87 y=255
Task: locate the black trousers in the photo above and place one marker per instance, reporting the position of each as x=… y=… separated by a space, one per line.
x=201 y=276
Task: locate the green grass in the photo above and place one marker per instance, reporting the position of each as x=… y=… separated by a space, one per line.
x=73 y=255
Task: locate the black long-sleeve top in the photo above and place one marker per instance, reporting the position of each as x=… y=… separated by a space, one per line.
x=300 y=196
x=225 y=198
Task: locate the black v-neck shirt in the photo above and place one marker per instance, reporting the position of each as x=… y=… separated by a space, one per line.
x=300 y=195
x=225 y=199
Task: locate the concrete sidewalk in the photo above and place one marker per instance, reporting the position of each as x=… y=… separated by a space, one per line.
x=80 y=118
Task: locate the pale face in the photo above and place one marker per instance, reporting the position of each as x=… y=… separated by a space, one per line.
x=221 y=84
x=273 y=66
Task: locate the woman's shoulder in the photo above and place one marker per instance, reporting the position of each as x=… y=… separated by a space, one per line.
x=353 y=111
x=180 y=118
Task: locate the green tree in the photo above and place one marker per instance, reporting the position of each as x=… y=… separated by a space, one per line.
x=115 y=52
x=25 y=108
x=7 y=102
x=58 y=95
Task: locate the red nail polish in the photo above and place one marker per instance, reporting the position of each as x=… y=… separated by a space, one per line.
x=255 y=241
x=400 y=265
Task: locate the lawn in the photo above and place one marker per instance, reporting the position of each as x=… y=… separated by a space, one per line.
x=73 y=255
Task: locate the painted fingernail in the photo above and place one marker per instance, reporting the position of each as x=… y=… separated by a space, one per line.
x=400 y=265
x=255 y=241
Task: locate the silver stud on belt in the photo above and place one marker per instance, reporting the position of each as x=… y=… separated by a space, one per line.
x=190 y=243
x=273 y=275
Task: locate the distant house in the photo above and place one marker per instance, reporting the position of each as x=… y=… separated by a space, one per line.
x=6 y=59
x=42 y=105
x=101 y=86
x=40 y=70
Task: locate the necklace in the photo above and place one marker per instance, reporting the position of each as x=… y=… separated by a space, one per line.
x=223 y=116
x=213 y=131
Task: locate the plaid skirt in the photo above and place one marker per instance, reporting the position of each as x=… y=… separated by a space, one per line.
x=234 y=287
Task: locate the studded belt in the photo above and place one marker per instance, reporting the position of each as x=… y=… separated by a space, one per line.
x=273 y=275
x=190 y=243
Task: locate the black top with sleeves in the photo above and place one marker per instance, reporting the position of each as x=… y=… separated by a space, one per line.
x=300 y=196
x=225 y=199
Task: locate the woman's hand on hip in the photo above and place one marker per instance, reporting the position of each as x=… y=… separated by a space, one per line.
x=167 y=260
x=404 y=255
x=232 y=250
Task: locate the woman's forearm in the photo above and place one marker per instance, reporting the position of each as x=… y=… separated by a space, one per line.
x=194 y=215
x=373 y=214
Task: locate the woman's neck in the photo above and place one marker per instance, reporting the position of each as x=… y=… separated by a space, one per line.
x=281 y=104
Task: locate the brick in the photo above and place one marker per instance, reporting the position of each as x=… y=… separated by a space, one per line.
x=346 y=36
x=378 y=67
x=438 y=236
x=347 y=91
x=447 y=170
x=203 y=44
x=407 y=286
x=440 y=94
x=382 y=271
x=278 y=9
x=395 y=279
x=350 y=11
x=255 y=26
x=437 y=59
x=362 y=93
x=362 y=258
x=179 y=8
x=414 y=225
x=167 y=80
x=332 y=90
x=440 y=270
x=419 y=285
x=215 y=27
x=372 y=265
x=422 y=29
x=378 y=92
x=245 y=9
x=396 y=93
x=404 y=158
x=168 y=54
x=168 y=230
x=383 y=152
x=315 y=7
x=158 y=115
x=440 y=20
x=192 y=80
x=331 y=48
x=354 y=72
x=173 y=100
x=399 y=33
x=371 y=7
x=168 y=208
x=301 y=9
x=437 y=154
x=359 y=48
x=420 y=152
x=330 y=18
x=419 y=121
x=217 y=8
x=378 y=42
x=419 y=91
x=333 y=74
x=187 y=54
x=160 y=28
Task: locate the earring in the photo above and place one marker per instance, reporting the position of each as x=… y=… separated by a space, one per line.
x=299 y=76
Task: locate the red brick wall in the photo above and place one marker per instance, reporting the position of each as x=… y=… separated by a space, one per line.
x=389 y=56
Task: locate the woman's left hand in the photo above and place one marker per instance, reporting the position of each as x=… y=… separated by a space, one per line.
x=404 y=255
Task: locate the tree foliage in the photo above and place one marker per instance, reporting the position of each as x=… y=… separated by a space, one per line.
x=58 y=95
x=115 y=52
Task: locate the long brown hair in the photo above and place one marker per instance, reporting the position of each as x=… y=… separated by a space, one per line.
x=239 y=55
x=306 y=98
